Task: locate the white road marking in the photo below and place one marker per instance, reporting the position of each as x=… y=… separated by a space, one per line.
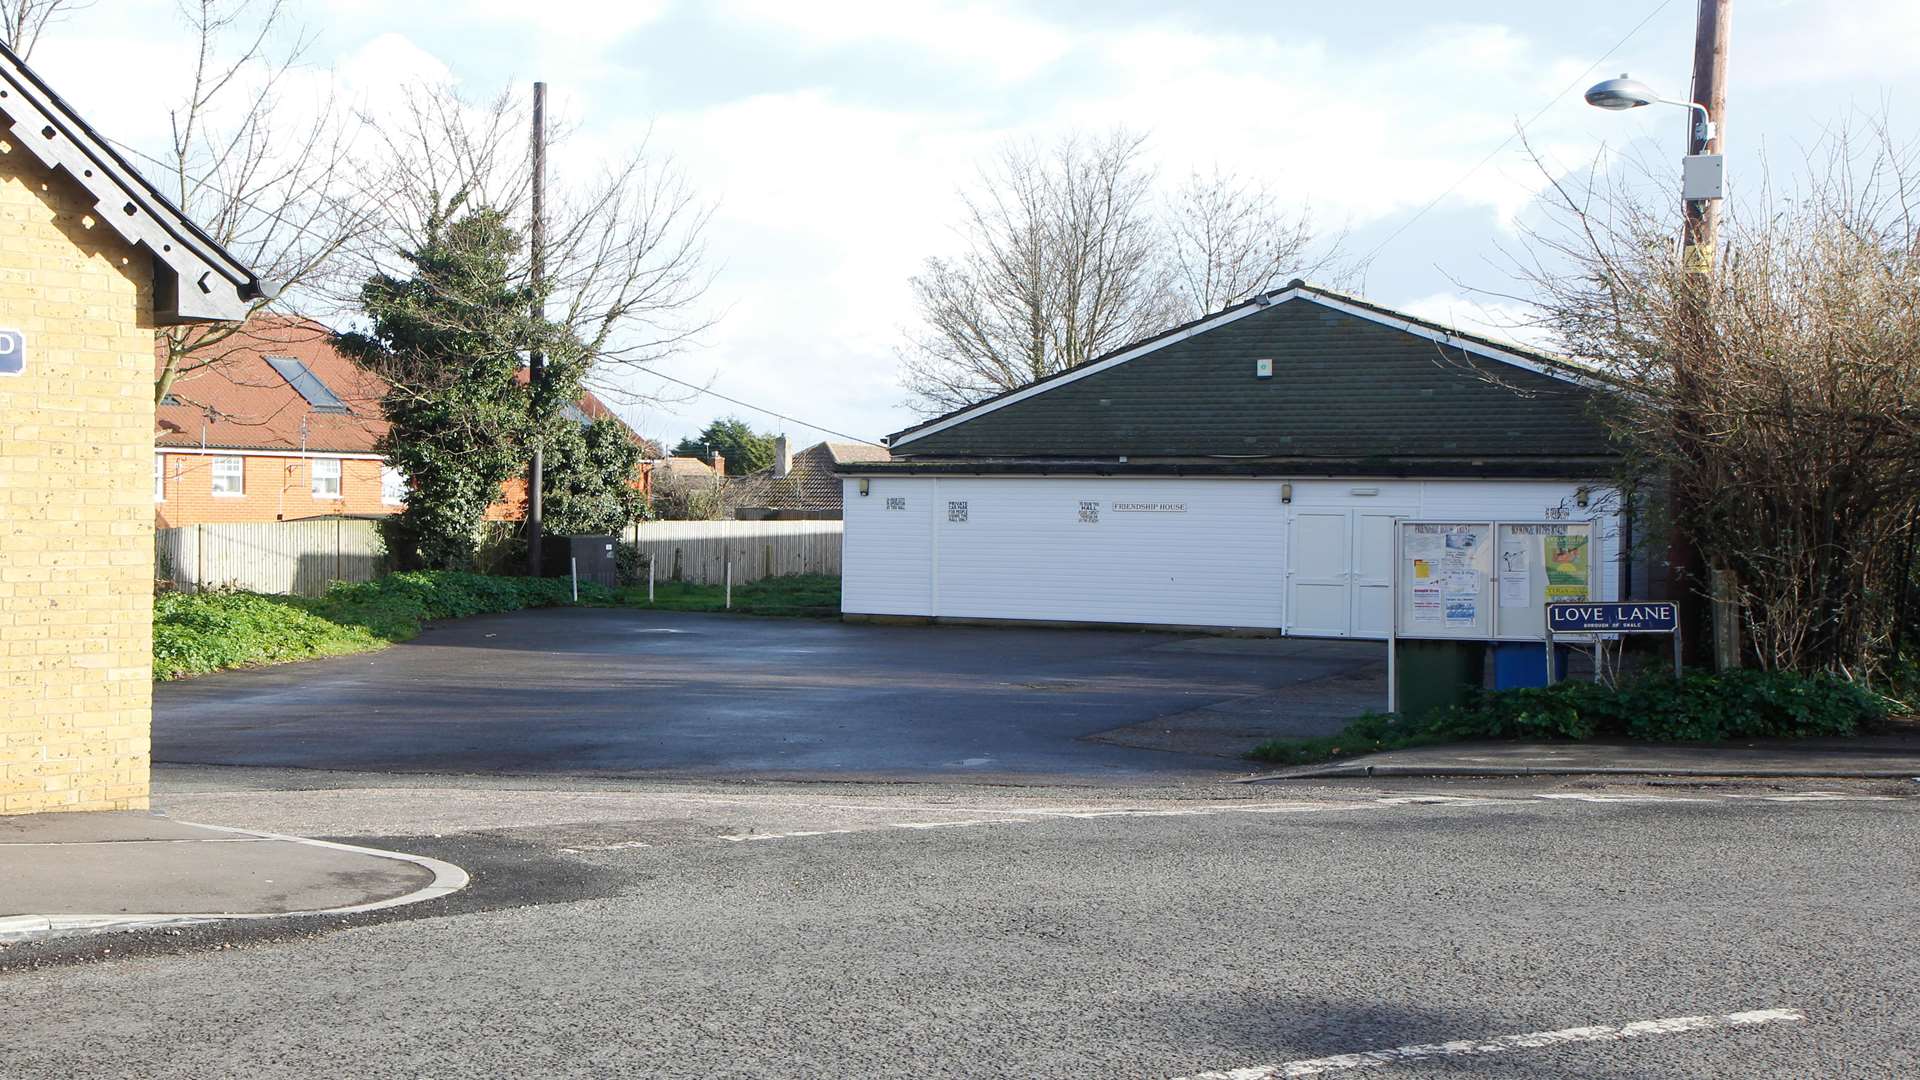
x=956 y=824
x=1370 y=1059
x=1816 y=796
x=784 y=835
x=1621 y=797
x=621 y=846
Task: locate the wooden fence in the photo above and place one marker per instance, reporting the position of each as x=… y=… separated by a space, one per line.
x=300 y=557
x=698 y=551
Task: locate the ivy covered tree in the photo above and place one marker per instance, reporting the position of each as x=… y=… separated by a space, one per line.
x=590 y=469
x=449 y=338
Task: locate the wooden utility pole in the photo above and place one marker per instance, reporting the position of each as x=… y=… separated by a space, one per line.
x=536 y=360
x=1713 y=32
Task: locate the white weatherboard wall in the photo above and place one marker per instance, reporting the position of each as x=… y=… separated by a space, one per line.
x=1225 y=553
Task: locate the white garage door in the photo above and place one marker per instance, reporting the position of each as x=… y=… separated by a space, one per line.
x=1338 y=583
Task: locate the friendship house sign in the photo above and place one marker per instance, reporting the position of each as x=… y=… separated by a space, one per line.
x=1149 y=508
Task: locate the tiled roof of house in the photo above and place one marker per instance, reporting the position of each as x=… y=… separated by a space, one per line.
x=250 y=398
x=810 y=485
x=239 y=401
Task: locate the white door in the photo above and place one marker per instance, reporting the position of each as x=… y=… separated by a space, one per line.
x=1373 y=572
x=1320 y=573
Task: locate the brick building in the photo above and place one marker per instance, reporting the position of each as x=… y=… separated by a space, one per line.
x=92 y=260
x=281 y=426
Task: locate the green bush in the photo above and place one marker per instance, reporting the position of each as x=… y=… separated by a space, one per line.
x=194 y=633
x=1699 y=708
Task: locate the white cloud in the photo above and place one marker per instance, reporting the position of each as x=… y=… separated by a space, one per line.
x=980 y=37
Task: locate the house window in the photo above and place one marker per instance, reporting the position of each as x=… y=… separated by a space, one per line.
x=229 y=476
x=159 y=478
x=326 y=478
x=393 y=485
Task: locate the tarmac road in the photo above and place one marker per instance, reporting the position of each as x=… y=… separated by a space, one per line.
x=709 y=930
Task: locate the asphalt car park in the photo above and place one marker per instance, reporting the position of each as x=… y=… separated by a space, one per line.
x=627 y=692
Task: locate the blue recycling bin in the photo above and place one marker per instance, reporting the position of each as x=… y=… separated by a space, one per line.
x=1519 y=664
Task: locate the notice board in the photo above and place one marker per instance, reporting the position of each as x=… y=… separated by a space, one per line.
x=1488 y=580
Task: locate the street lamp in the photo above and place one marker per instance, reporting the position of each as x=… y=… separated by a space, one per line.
x=1627 y=92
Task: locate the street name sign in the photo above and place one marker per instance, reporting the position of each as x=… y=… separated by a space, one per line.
x=13 y=352
x=1642 y=617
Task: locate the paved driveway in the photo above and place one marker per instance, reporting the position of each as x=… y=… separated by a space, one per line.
x=636 y=693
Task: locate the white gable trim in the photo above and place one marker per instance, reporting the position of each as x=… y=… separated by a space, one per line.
x=1240 y=312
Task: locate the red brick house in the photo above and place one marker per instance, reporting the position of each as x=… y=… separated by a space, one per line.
x=282 y=426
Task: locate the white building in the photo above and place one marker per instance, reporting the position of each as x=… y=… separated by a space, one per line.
x=1242 y=471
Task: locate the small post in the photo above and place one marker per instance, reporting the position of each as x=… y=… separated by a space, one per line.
x=573 y=569
x=1550 y=664
x=649 y=580
x=1393 y=626
x=1678 y=653
x=729 y=584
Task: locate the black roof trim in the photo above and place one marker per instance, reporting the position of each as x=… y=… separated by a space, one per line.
x=199 y=280
x=1546 y=468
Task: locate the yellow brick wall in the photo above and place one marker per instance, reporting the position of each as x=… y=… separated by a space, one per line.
x=76 y=503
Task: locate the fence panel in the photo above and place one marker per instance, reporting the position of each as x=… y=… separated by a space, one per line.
x=299 y=557
x=699 y=551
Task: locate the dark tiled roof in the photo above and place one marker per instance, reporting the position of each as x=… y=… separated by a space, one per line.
x=1345 y=385
x=810 y=485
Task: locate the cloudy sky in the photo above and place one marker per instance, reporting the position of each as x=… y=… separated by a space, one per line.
x=833 y=135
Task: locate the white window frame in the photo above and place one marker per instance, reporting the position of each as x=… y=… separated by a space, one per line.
x=159 y=478
x=314 y=478
x=215 y=476
x=393 y=485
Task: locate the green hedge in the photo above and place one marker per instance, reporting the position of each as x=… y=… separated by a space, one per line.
x=195 y=633
x=1699 y=708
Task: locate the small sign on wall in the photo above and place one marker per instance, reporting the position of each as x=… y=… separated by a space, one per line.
x=957 y=511
x=1090 y=511
x=13 y=352
x=1149 y=508
x=896 y=502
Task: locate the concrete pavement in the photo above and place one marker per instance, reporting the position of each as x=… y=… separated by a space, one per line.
x=1890 y=756
x=69 y=873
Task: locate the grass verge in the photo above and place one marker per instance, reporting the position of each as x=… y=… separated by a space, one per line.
x=197 y=633
x=794 y=594
x=1702 y=707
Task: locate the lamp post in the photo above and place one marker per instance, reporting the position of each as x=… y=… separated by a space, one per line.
x=1702 y=187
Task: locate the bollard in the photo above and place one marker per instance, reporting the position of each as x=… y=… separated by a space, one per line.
x=574 y=570
x=729 y=584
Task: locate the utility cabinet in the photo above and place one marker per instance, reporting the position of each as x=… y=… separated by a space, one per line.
x=592 y=557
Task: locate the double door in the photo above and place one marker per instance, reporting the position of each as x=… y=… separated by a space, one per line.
x=1339 y=572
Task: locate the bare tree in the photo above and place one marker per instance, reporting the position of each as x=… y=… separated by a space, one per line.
x=1778 y=394
x=625 y=255
x=1062 y=263
x=267 y=173
x=1227 y=238
x=21 y=21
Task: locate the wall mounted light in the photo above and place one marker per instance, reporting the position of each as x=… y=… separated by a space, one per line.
x=1286 y=493
x=1581 y=497
x=863 y=485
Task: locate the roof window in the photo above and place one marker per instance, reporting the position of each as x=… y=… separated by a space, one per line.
x=309 y=386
